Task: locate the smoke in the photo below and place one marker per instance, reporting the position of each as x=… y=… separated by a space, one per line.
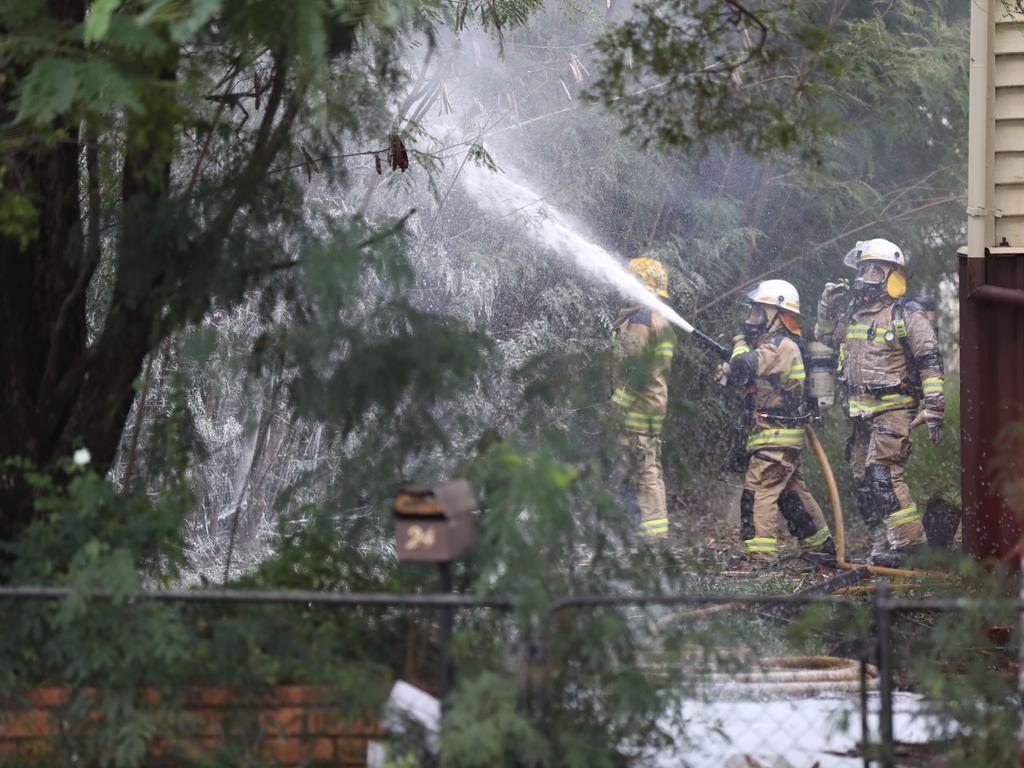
x=507 y=195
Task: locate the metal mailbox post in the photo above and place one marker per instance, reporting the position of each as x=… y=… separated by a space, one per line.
x=434 y=523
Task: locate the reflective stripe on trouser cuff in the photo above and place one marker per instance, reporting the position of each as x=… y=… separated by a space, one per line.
x=932 y=386
x=645 y=422
x=654 y=527
x=902 y=517
x=865 y=405
x=763 y=544
x=781 y=437
x=622 y=396
x=818 y=538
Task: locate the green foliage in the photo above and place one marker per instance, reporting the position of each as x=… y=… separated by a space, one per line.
x=484 y=727
x=685 y=71
x=18 y=216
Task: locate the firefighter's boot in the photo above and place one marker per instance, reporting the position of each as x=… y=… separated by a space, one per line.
x=881 y=553
x=823 y=556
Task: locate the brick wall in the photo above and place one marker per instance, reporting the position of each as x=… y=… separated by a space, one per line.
x=288 y=725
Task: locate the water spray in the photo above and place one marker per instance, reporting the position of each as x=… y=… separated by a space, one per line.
x=507 y=194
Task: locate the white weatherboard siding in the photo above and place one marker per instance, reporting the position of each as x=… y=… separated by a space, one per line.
x=996 y=164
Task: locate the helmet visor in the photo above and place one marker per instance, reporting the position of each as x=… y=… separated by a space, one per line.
x=853 y=256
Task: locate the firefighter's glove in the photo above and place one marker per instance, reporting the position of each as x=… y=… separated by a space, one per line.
x=832 y=292
x=835 y=289
x=722 y=374
x=934 y=419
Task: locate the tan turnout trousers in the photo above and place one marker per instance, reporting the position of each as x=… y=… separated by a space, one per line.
x=639 y=465
x=773 y=481
x=878 y=450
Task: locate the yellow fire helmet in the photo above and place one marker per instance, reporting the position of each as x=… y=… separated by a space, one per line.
x=651 y=273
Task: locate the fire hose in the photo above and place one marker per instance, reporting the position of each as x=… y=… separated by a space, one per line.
x=838 y=534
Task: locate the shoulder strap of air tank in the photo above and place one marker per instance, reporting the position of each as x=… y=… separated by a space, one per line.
x=899 y=327
x=899 y=320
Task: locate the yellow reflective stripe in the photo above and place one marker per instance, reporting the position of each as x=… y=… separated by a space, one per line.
x=763 y=544
x=825 y=327
x=900 y=329
x=796 y=373
x=644 y=421
x=932 y=385
x=776 y=437
x=622 y=396
x=738 y=350
x=902 y=517
x=861 y=405
x=665 y=349
x=818 y=538
x=653 y=527
x=860 y=333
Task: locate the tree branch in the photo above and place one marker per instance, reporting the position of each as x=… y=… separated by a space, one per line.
x=820 y=246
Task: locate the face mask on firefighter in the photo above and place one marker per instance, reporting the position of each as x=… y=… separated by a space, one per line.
x=871 y=280
x=758 y=319
x=871 y=273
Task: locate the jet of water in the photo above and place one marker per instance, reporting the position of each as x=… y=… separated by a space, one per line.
x=506 y=194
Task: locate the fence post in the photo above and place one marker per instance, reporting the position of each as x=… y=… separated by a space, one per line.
x=883 y=622
x=865 y=729
x=447 y=622
x=524 y=694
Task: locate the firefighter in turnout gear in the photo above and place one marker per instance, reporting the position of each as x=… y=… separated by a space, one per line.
x=890 y=363
x=768 y=358
x=643 y=345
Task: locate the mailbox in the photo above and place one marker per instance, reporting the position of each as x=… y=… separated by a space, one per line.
x=434 y=523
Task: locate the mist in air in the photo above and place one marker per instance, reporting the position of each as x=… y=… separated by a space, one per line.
x=506 y=194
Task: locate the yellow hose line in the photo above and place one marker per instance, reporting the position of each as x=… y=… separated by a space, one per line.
x=864 y=589
x=839 y=534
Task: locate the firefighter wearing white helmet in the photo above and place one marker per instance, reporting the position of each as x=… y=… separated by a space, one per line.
x=643 y=345
x=768 y=358
x=890 y=363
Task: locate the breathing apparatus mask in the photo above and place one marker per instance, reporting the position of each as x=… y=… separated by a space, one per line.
x=759 y=319
x=876 y=279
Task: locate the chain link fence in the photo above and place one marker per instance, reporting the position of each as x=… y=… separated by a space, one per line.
x=738 y=680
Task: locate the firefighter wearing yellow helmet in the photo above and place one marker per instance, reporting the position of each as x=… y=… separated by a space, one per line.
x=643 y=347
x=890 y=363
x=768 y=358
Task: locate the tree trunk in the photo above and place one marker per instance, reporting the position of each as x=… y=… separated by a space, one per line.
x=42 y=319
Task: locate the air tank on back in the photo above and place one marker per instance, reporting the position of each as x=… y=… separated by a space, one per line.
x=821 y=374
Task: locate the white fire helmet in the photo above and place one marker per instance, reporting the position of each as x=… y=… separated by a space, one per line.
x=776 y=293
x=875 y=250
